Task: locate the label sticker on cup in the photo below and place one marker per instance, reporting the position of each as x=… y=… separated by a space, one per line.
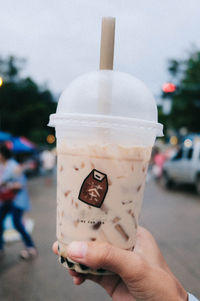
x=94 y=189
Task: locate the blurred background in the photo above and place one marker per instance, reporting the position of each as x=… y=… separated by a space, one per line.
x=46 y=44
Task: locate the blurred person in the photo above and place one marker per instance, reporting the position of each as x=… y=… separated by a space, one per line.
x=48 y=164
x=158 y=161
x=171 y=152
x=48 y=161
x=14 y=200
x=141 y=274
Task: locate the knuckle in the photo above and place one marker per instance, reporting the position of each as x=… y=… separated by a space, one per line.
x=99 y=255
x=137 y=269
x=106 y=254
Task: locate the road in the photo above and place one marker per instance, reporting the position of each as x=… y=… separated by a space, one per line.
x=172 y=216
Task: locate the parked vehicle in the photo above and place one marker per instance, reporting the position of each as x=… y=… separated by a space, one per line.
x=183 y=167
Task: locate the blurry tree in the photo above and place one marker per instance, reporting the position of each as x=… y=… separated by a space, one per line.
x=24 y=105
x=185 y=111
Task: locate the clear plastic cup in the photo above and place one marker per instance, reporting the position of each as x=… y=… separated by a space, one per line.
x=106 y=125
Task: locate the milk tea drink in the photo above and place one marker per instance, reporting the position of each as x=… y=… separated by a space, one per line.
x=103 y=154
x=100 y=193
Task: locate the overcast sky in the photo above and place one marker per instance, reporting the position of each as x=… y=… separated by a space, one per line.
x=61 y=38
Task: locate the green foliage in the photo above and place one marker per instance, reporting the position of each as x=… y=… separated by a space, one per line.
x=25 y=106
x=186 y=100
x=173 y=67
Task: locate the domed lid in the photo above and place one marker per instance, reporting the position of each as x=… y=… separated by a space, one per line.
x=106 y=98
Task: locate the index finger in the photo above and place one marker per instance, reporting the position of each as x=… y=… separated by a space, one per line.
x=55 y=248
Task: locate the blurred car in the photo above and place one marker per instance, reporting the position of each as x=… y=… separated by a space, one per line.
x=183 y=167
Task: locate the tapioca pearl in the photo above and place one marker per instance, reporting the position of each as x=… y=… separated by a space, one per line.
x=101 y=270
x=62 y=259
x=84 y=267
x=69 y=263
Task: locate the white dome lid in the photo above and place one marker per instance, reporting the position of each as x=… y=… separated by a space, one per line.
x=107 y=96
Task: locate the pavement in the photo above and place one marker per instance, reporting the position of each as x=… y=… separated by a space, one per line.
x=172 y=216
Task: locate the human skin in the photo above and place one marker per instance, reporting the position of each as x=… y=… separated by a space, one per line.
x=142 y=274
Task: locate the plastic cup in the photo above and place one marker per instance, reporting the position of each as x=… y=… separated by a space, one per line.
x=106 y=125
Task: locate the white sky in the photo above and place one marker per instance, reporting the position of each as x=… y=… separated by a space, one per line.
x=61 y=38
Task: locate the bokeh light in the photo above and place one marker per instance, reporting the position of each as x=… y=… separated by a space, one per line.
x=1 y=81
x=173 y=140
x=51 y=139
x=168 y=88
x=188 y=143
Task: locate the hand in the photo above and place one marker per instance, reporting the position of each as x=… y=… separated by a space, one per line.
x=140 y=275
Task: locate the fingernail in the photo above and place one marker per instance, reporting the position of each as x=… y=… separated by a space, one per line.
x=77 y=249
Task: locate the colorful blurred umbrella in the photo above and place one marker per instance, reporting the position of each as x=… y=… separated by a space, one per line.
x=4 y=136
x=21 y=144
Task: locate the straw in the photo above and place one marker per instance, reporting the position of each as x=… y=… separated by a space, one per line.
x=107 y=43
x=106 y=63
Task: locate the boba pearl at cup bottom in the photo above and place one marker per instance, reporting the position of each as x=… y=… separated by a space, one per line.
x=81 y=268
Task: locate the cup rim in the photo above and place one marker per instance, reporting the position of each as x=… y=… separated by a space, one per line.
x=59 y=120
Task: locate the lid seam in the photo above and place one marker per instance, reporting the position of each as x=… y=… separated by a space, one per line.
x=106 y=124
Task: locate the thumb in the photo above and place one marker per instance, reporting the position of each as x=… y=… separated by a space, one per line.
x=103 y=255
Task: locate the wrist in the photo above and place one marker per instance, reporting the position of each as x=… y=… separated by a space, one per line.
x=183 y=295
x=177 y=290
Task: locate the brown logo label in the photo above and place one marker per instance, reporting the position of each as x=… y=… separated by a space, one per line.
x=94 y=189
